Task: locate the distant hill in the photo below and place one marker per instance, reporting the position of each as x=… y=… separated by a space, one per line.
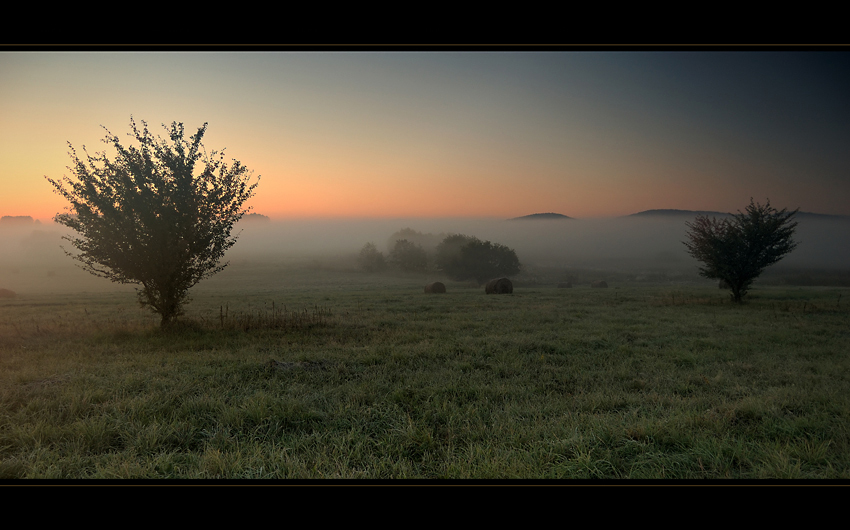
x=540 y=216
x=694 y=213
x=825 y=216
x=676 y=213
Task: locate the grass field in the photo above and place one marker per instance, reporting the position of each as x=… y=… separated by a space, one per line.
x=307 y=373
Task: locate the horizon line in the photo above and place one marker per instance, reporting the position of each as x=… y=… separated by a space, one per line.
x=527 y=217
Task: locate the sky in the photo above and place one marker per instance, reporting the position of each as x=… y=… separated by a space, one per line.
x=448 y=134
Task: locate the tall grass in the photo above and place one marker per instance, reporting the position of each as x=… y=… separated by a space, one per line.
x=275 y=318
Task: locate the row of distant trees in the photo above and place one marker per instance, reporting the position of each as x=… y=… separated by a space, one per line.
x=458 y=256
x=18 y=220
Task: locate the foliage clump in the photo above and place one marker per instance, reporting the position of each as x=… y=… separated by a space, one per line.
x=426 y=241
x=371 y=259
x=463 y=257
x=408 y=256
x=158 y=215
x=737 y=250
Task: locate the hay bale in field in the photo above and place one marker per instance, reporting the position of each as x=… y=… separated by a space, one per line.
x=598 y=284
x=723 y=285
x=436 y=287
x=499 y=286
x=565 y=285
x=6 y=293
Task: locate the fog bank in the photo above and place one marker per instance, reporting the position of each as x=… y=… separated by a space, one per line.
x=32 y=259
x=569 y=242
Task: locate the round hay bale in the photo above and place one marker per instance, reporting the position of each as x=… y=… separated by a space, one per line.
x=598 y=284
x=436 y=287
x=565 y=285
x=499 y=286
x=6 y=293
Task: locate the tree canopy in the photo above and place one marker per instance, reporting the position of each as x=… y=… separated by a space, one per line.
x=463 y=257
x=737 y=250
x=371 y=259
x=159 y=214
x=408 y=256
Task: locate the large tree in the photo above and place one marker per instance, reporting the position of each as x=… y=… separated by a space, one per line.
x=737 y=249
x=158 y=215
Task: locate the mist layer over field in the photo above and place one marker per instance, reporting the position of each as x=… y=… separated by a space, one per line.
x=642 y=246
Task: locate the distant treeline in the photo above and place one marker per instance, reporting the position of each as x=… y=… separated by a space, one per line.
x=256 y=217
x=457 y=256
x=18 y=220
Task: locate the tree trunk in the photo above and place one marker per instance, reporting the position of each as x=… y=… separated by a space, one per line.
x=168 y=317
x=736 y=294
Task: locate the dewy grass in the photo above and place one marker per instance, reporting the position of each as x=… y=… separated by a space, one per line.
x=637 y=382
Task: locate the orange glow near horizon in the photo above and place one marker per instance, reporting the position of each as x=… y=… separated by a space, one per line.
x=321 y=196
x=308 y=185
x=446 y=135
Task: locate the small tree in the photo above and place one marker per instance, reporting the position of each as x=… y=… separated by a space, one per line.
x=371 y=259
x=466 y=257
x=737 y=250
x=408 y=256
x=154 y=215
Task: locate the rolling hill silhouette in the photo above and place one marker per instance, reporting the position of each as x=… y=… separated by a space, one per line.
x=693 y=213
x=540 y=216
